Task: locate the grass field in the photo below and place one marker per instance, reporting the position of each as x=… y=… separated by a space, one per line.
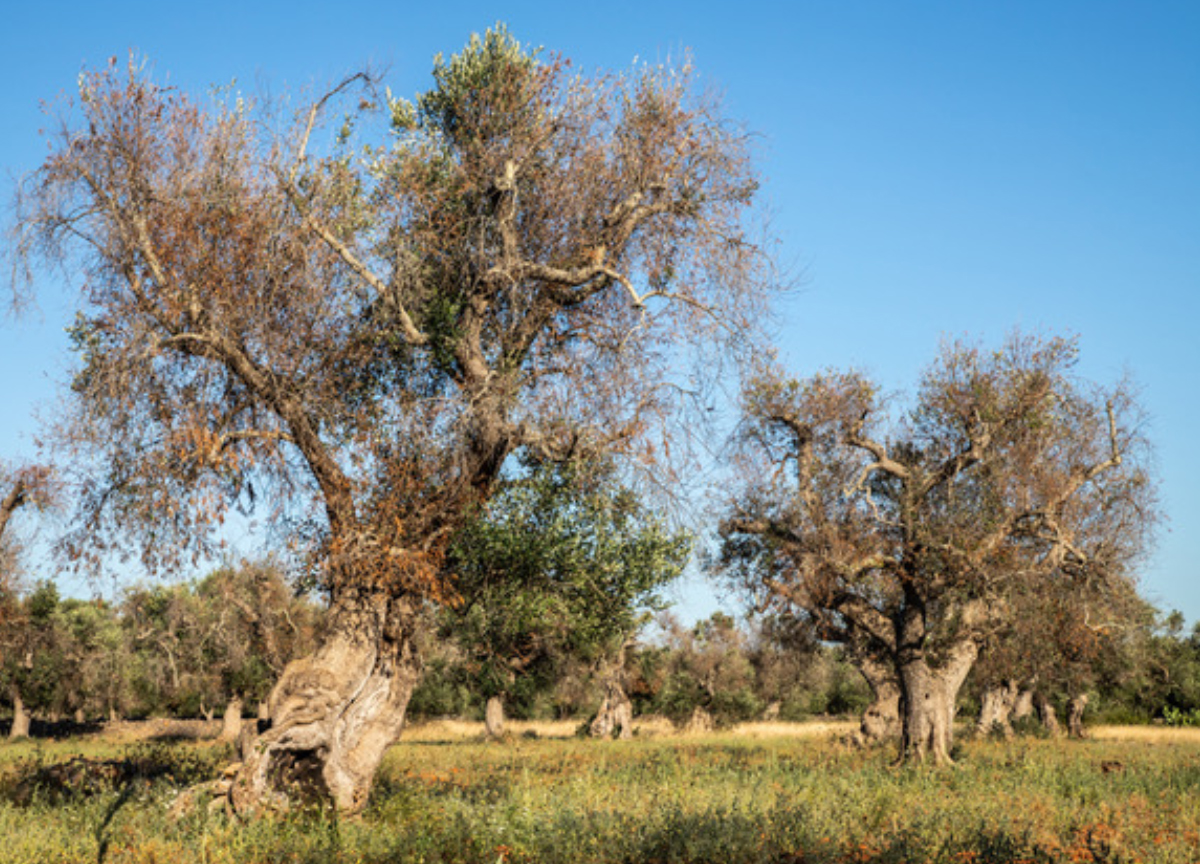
x=762 y=793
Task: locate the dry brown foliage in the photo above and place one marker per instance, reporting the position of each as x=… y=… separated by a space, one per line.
x=920 y=533
x=356 y=327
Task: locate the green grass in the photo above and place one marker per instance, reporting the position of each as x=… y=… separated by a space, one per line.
x=709 y=799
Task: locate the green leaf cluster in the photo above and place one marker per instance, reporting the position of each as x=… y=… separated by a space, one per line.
x=562 y=563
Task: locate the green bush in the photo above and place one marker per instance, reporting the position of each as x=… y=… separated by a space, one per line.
x=1176 y=717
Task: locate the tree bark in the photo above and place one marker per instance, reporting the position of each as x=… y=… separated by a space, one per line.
x=334 y=714
x=929 y=697
x=1076 y=705
x=881 y=720
x=996 y=709
x=1023 y=707
x=493 y=718
x=1046 y=714
x=231 y=723
x=615 y=717
x=700 y=721
x=21 y=717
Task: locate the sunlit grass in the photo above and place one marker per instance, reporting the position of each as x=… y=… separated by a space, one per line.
x=1149 y=734
x=781 y=794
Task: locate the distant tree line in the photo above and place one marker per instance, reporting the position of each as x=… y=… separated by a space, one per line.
x=186 y=650
x=204 y=648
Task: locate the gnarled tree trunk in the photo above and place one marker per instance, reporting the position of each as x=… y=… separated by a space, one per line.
x=615 y=717
x=493 y=718
x=231 y=723
x=21 y=717
x=930 y=694
x=1076 y=705
x=335 y=713
x=700 y=721
x=1023 y=706
x=881 y=720
x=996 y=708
x=1047 y=715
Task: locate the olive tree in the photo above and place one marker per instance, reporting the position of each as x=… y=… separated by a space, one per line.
x=357 y=314
x=21 y=486
x=1060 y=643
x=564 y=563
x=911 y=530
x=255 y=624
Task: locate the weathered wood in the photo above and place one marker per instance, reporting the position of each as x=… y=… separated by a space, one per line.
x=493 y=718
x=334 y=714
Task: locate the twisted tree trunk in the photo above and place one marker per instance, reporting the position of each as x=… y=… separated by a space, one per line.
x=231 y=723
x=1076 y=705
x=930 y=694
x=1023 y=706
x=335 y=713
x=21 y=717
x=493 y=718
x=881 y=720
x=615 y=717
x=1047 y=715
x=996 y=709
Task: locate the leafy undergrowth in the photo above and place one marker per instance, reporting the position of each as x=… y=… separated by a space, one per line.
x=698 y=799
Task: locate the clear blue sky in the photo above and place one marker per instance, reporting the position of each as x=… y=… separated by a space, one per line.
x=934 y=168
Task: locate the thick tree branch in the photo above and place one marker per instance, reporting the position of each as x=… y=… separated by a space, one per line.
x=883 y=462
x=16 y=497
x=1046 y=515
x=408 y=329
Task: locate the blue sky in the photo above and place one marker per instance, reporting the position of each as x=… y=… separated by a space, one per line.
x=935 y=169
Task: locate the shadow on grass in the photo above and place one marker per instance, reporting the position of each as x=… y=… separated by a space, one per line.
x=35 y=781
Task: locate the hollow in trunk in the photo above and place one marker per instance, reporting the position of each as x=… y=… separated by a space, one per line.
x=334 y=714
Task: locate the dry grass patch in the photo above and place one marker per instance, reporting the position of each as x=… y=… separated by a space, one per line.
x=451 y=730
x=1147 y=734
x=811 y=729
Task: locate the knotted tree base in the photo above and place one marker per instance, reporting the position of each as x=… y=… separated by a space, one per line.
x=332 y=716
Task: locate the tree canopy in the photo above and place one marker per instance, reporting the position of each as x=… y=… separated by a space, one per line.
x=372 y=317
x=359 y=312
x=913 y=531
